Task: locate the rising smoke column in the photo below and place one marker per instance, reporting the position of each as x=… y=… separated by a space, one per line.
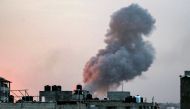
x=126 y=55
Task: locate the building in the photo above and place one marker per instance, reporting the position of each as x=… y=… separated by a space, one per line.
x=185 y=90
x=169 y=105
x=76 y=105
x=52 y=97
x=117 y=95
x=4 y=90
x=53 y=94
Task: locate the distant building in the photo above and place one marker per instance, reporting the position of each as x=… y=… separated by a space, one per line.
x=4 y=90
x=185 y=90
x=52 y=97
x=169 y=105
x=54 y=93
x=117 y=95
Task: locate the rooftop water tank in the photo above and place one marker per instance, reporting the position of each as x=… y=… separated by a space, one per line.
x=54 y=88
x=79 y=87
x=11 y=99
x=58 y=88
x=47 y=88
x=138 y=99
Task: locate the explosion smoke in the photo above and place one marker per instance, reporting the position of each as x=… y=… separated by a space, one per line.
x=126 y=55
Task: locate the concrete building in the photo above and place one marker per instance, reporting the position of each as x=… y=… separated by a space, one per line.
x=4 y=90
x=118 y=95
x=54 y=98
x=54 y=94
x=100 y=104
x=169 y=105
x=185 y=90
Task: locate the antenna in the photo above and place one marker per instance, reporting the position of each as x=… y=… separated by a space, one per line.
x=122 y=85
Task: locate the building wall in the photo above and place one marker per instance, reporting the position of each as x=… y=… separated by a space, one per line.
x=185 y=92
x=118 y=105
x=27 y=106
x=40 y=106
x=118 y=95
x=85 y=105
x=4 y=90
x=55 y=95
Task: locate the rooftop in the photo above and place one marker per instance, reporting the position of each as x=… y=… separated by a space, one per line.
x=4 y=80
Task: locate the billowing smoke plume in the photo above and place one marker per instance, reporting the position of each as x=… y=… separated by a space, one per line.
x=126 y=55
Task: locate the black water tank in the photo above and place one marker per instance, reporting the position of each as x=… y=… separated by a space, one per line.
x=47 y=88
x=58 y=88
x=24 y=98
x=30 y=98
x=11 y=99
x=54 y=88
x=134 y=100
x=129 y=99
x=141 y=99
x=79 y=87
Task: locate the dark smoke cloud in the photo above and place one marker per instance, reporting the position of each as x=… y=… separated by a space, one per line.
x=126 y=55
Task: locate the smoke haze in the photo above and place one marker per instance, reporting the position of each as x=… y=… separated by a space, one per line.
x=126 y=54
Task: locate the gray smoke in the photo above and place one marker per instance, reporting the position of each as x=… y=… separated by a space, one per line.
x=126 y=55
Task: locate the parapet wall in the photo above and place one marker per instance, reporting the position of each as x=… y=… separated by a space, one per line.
x=77 y=105
x=27 y=106
x=39 y=105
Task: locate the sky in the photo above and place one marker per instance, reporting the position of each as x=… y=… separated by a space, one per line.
x=49 y=42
